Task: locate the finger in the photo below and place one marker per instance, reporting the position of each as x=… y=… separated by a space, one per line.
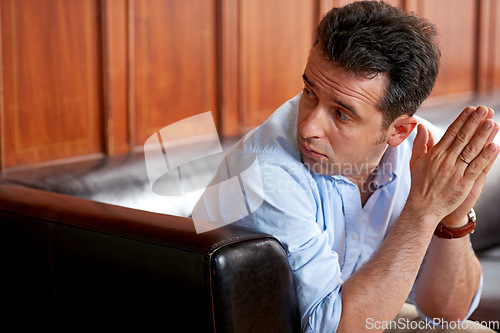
x=420 y=142
x=468 y=130
x=493 y=133
x=478 y=185
x=490 y=114
x=452 y=131
x=430 y=142
x=478 y=142
x=476 y=190
x=483 y=162
x=488 y=167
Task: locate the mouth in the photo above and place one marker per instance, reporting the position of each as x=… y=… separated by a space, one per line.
x=311 y=152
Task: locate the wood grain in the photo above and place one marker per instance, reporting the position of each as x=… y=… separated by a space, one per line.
x=456 y=21
x=85 y=77
x=175 y=63
x=276 y=37
x=115 y=76
x=495 y=40
x=51 y=80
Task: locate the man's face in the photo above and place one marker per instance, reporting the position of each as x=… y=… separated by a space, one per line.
x=339 y=128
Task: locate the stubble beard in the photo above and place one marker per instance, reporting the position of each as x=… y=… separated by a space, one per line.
x=348 y=170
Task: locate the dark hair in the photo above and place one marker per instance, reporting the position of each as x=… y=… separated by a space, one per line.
x=370 y=37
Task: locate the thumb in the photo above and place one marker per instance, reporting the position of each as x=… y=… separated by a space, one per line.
x=430 y=141
x=420 y=142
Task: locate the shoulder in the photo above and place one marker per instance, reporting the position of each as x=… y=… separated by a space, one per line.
x=277 y=135
x=273 y=145
x=262 y=175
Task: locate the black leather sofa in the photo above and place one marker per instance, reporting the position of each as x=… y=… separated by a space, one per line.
x=68 y=258
x=73 y=262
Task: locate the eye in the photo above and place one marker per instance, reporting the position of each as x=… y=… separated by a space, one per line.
x=309 y=94
x=341 y=115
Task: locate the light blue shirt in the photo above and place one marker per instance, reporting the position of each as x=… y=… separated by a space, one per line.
x=320 y=220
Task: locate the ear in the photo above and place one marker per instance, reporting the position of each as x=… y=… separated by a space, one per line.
x=400 y=129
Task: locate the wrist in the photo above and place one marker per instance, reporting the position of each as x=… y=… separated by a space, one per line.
x=450 y=222
x=443 y=231
x=429 y=218
x=419 y=219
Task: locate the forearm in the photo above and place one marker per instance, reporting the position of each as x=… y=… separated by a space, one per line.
x=379 y=288
x=449 y=279
x=442 y=185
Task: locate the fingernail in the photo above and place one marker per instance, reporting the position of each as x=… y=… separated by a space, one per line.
x=487 y=124
x=481 y=111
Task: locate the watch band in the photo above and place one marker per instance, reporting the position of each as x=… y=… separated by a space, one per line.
x=443 y=231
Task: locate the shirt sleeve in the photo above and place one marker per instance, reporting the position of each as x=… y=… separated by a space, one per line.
x=287 y=210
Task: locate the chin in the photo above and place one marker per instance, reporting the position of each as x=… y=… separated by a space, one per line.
x=321 y=168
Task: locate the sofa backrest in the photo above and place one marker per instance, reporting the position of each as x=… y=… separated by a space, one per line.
x=122 y=180
x=69 y=260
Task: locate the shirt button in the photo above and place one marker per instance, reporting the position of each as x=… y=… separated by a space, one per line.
x=355 y=237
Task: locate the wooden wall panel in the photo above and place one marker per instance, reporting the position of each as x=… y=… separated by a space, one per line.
x=485 y=51
x=495 y=40
x=174 y=63
x=228 y=66
x=325 y=6
x=86 y=77
x=456 y=22
x=115 y=76
x=488 y=78
x=276 y=37
x=51 y=80
x=274 y=41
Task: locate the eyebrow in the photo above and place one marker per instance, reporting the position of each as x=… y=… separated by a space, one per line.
x=304 y=77
x=342 y=104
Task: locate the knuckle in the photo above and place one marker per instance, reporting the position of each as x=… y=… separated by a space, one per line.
x=452 y=131
x=446 y=163
x=475 y=167
x=436 y=157
x=486 y=157
x=462 y=137
x=469 y=150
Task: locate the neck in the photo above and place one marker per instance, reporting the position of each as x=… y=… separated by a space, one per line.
x=365 y=186
x=364 y=181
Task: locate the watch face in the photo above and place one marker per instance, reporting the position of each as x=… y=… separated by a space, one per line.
x=472 y=215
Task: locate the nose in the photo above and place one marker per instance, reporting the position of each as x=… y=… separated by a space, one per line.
x=312 y=126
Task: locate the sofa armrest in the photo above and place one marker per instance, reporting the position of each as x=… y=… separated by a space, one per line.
x=68 y=259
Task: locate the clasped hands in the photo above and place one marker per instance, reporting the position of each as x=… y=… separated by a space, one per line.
x=447 y=177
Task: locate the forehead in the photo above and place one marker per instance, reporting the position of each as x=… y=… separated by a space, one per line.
x=336 y=82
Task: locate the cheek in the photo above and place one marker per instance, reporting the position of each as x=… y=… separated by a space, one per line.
x=301 y=117
x=302 y=111
x=347 y=145
x=341 y=139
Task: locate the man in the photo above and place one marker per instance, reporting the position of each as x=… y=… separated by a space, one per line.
x=352 y=192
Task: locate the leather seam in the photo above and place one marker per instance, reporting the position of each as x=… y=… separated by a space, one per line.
x=236 y=239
